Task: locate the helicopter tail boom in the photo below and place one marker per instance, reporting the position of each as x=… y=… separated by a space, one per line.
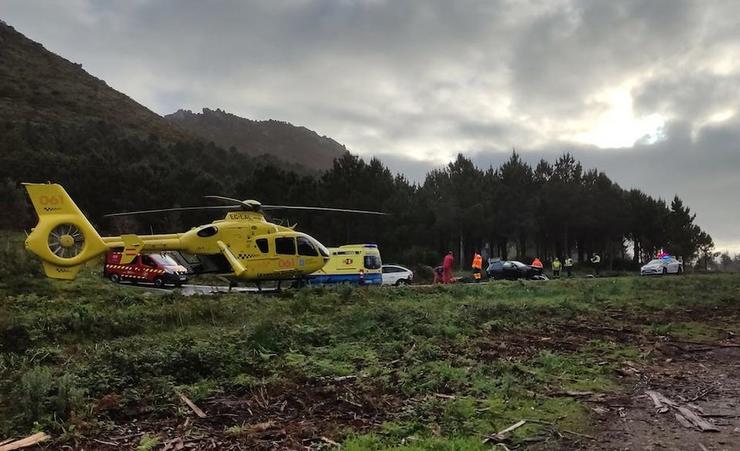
x=63 y=238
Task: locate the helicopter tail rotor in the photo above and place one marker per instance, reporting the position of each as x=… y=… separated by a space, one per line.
x=63 y=238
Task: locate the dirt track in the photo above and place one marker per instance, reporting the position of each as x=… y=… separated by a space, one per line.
x=705 y=376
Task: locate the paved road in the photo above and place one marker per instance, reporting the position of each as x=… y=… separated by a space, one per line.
x=190 y=290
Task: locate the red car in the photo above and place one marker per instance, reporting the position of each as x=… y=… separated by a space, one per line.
x=158 y=269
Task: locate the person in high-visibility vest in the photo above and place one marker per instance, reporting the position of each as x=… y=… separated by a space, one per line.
x=596 y=260
x=556 y=268
x=569 y=266
x=537 y=263
x=477 y=266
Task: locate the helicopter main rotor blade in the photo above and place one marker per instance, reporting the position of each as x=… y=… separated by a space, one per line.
x=165 y=210
x=339 y=210
x=230 y=199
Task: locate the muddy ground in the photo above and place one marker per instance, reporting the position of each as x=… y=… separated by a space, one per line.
x=705 y=377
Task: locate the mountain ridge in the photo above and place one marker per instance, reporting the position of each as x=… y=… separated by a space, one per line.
x=41 y=87
x=279 y=139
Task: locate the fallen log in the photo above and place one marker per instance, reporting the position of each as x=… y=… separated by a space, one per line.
x=696 y=420
x=660 y=401
x=25 y=442
x=685 y=416
x=683 y=421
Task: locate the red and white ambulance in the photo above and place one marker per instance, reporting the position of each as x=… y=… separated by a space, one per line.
x=158 y=269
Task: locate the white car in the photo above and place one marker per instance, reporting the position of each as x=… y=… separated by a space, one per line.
x=397 y=275
x=667 y=265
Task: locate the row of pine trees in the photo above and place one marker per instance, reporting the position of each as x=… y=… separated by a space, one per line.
x=513 y=210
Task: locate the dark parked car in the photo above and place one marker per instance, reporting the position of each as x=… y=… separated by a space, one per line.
x=512 y=270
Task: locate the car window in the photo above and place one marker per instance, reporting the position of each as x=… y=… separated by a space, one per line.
x=147 y=260
x=655 y=262
x=163 y=259
x=306 y=248
x=387 y=269
x=263 y=245
x=519 y=264
x=285 y=246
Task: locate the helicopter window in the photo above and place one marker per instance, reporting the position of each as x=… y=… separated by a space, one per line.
x=262 y=244
x=207 y=231
x=285 y=246
x=306 y=248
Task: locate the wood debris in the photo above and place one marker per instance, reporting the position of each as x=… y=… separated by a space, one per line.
x=192 y=406
x=684 y=415
x=344 y=378
x=262 y=427
x=26 y=442
x=330 y=441
x=575 y=394
x=501 y=435
x=702 y=424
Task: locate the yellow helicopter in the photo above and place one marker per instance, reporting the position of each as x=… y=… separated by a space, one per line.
x=243 y=245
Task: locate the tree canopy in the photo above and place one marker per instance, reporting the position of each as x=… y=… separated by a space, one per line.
x=513 y=210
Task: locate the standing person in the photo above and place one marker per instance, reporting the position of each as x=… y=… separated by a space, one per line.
x=447 y=263
x=477 y=266
x=569 y=266
x=556 y=268
x=596 y=260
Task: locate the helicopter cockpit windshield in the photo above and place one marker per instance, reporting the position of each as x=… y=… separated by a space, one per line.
x=310 y=247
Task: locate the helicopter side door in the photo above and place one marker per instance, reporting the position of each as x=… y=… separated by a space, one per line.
x=270 y=257
x=285 y=250
x=262 y=259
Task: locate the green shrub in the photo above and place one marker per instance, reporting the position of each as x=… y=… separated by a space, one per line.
x=40 y=398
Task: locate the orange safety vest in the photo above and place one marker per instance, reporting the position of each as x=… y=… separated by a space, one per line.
x=537 y=263
x=477 y=262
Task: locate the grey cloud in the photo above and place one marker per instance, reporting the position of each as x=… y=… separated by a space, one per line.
x=564 y=55
x=688 y=95
x=417 y=81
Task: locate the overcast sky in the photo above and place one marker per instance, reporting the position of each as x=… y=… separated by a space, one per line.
x=647 y=91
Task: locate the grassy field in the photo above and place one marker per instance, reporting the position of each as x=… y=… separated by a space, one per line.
x=409 y=368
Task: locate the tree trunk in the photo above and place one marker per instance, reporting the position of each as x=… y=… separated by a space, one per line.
x=636 y=251
x=462 y=252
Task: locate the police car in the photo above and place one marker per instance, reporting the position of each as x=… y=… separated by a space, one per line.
x=660 y=266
